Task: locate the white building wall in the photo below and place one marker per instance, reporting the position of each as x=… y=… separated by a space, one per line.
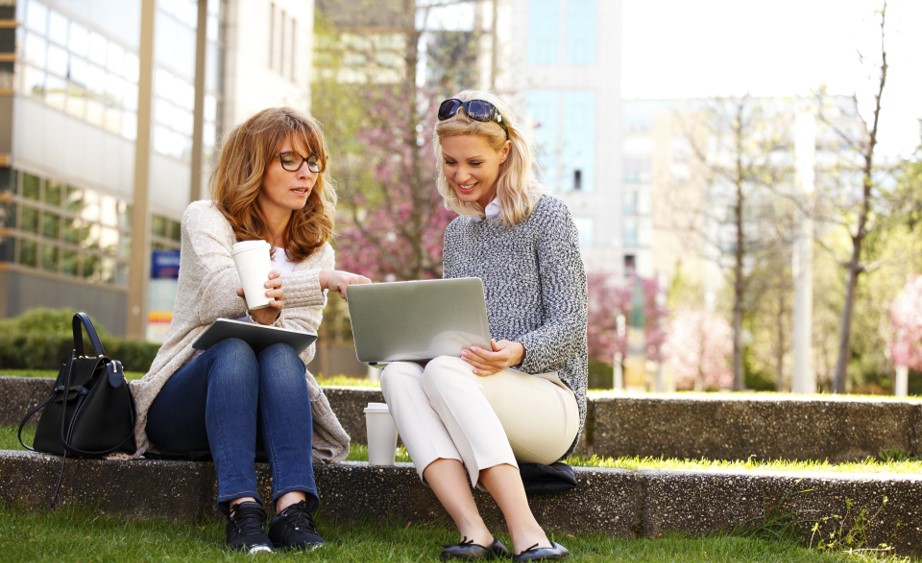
x=250 y=83
x=56 y=145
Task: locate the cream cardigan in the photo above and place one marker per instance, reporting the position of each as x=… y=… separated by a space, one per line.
x=207 y=290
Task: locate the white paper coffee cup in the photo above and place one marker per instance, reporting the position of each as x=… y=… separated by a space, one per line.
x=253 y=265
x=382 y=434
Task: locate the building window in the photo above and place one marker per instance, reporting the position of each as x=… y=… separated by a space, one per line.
x=581 y=32
x=578 y=141
x=636 y=170
x=76 y=232
x=543 y=32
x=630 y=202
x=630 y=265
x=630 y=236
x=77 y=70
x=543 y=108
x=283 y=42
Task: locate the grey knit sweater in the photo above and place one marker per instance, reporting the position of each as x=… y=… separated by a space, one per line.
x=535 y=286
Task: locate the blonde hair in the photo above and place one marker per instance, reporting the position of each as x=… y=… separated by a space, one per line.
x=517 y=188
x=235 y=183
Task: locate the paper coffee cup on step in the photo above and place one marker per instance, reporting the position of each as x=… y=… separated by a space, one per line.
x=382 y=434
x=253 y=265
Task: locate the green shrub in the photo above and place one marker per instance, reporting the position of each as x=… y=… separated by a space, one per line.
x=601 y=375
x=34 y=350
x=42 y=338
x=44 y=320
x=135 y=355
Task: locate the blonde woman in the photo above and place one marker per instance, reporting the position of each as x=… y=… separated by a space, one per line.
x=231 y=401
x=469 y=421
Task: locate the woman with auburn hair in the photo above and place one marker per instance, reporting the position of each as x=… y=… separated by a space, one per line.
x=231 y=402
x=470 y=420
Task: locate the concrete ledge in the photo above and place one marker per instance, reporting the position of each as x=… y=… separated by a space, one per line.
x=619 y=503
x=714 y=426
x=740 y=426
x=19 y=395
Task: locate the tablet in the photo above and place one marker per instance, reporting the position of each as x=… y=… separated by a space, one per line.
x=256 y=335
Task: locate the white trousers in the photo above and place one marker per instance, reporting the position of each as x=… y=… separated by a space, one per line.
x=444 y=411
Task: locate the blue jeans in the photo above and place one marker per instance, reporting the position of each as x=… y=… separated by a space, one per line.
x=230 y=400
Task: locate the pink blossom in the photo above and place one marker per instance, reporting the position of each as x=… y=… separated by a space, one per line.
x=698 y=350
x=906 y=325
x=608 y=300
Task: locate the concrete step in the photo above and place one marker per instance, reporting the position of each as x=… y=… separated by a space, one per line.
x=726 y=426
x=619 y=503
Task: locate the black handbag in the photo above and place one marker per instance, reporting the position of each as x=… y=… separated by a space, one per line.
x=90 y=411
x=540 y=479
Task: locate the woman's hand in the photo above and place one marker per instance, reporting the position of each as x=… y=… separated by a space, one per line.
x=504 y=353
x=339 y=280
x=268 y=315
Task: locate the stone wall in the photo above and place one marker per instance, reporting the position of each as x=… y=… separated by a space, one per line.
x=714 y=426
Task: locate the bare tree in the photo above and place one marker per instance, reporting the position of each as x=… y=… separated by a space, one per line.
x=858 y=211
x=739 y=146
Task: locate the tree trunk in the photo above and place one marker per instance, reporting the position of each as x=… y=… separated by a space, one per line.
x=848 y=310
x=781 y=339
x=855 y=267
x=739 y=254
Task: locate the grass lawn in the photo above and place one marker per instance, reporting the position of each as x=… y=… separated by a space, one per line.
x=81 y=535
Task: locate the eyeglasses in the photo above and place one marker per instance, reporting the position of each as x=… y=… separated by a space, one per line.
x=292 y=161
x=478 y=110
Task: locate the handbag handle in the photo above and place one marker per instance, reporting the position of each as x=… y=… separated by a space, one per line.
x=83 y=319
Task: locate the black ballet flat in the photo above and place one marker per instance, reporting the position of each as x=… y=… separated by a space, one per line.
x=467 y=549
x=535 y=553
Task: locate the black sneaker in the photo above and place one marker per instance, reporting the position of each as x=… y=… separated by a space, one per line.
x=294 y=528
x=246 y=528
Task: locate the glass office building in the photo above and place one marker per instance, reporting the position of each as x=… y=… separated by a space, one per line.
x=81 y=89
x=562 y=60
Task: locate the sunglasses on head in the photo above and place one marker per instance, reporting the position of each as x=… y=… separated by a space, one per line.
x=478 y=110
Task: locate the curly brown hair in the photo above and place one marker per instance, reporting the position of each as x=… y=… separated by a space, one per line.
x=235 y=183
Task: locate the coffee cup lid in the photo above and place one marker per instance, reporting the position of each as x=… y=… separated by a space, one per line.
x=247 y=245
x=376 y=407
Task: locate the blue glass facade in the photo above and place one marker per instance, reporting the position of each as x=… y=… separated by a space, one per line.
x=579 y=140
x=565 y=137
x=563 y=33
x=581 y=32
x=543 y=32
x=542 y=106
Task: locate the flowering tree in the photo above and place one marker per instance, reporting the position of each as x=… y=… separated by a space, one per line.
x=392 y=228
x=378 y=111
x=607 y=301
x=655 y=314
x=698 y=349
x=906 y=324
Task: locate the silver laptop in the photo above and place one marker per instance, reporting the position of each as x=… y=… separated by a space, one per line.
x=417 y=320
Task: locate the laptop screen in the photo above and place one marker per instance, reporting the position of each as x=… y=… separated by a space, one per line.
x=417 y=320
